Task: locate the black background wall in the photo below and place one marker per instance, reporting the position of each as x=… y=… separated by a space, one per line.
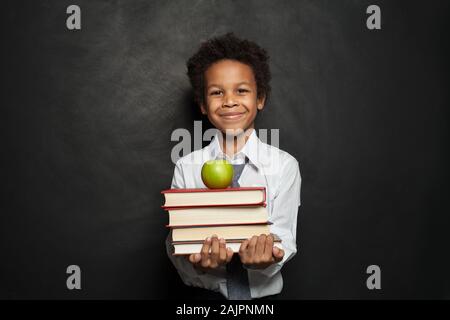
x=87 y=118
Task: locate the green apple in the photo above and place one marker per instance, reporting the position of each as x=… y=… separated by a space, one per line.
x=217 y=174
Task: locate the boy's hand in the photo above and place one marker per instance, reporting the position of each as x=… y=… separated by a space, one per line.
x=214 y=253
x=259 y=252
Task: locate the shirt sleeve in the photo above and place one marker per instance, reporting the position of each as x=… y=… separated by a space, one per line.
x=284 y=216
x=188 y=274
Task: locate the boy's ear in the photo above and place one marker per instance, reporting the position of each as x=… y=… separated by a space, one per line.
x=203 y=109
x=260 y=103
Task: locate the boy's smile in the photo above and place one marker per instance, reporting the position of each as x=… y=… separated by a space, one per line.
x=231 y=102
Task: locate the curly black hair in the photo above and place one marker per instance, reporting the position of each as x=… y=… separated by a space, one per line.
x=228 y=46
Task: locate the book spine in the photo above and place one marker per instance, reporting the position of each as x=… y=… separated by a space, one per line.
x=258 y=204
x=218 y=225
x=201 y=242
x=190 y=190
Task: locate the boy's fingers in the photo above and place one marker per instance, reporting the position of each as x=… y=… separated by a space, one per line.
x=244 y=245
x=215 y=248
x=229 y=254
x=243 y=248
x=205 y=249
x=275 y=251
x=278 y=254
x=252 y=246
x=205 y=263
x=223 y=251
x=268 y=247
x=195 y=258
x=260 y=246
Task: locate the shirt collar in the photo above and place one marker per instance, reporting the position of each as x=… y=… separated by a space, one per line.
x=250 y=150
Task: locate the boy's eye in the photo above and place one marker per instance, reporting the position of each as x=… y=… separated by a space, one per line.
x=216 y=92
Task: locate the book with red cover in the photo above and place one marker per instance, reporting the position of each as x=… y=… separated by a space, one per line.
x=220 y=225
x=190 y=247
x=204 y=197
x=226 y=232
x=209 y=216
x=276 y=238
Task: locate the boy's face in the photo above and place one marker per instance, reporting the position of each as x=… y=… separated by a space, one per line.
x=230 y=96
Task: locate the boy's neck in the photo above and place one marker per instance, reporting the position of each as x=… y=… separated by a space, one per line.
x=233 y=144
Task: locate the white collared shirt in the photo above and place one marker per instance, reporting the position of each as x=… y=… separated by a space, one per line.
x=269 y=167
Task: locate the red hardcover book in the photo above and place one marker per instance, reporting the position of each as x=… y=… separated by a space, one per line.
x=208 y=216
x=203 y=197
x=220 y=225
x=190 y=247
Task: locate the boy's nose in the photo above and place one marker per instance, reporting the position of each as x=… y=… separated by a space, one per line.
x=230 y=102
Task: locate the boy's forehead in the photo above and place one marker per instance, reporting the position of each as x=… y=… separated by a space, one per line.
x=227 y=72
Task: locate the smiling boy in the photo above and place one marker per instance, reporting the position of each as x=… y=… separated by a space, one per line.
x=230 y=78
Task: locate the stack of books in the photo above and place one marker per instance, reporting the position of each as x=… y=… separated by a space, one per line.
x=235 y=214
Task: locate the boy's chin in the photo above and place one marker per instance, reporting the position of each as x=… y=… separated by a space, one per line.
x=235 y=132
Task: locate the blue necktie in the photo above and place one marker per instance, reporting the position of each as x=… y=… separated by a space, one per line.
x=237 y=276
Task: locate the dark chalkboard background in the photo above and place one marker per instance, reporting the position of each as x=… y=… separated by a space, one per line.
x=87 y=118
